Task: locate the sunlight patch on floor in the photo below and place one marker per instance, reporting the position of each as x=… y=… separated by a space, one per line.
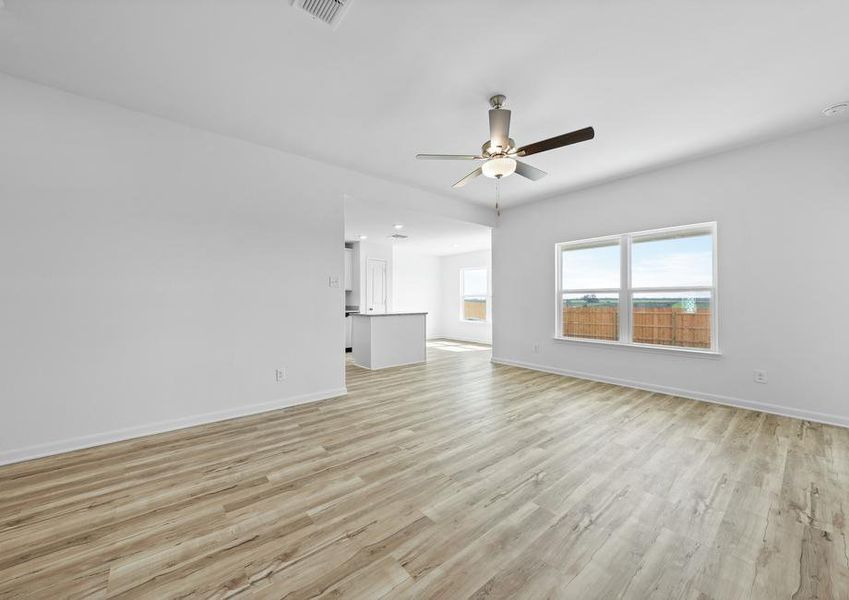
x=452 y=346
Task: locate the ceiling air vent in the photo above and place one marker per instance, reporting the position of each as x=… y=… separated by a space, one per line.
x=329 y=12
x=397 y=236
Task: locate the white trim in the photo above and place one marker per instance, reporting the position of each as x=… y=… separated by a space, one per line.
x=596 y=242
x=715 y=293
x=649 y=347
x=626 y=294
x=654 y=290
x=661 y=232
x=765 y=407
x=108 y=437
x=593 y=291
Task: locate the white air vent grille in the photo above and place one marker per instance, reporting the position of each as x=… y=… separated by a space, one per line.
x=397 y=236
x=329 y=12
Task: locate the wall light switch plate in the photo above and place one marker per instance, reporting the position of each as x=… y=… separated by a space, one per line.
x=280 y=375
x=333 y=281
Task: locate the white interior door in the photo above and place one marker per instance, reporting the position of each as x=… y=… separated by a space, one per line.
x=376 y=282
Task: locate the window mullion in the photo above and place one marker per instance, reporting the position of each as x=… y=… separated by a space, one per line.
x=625 y=291
x=686 y=288
x=615 y=290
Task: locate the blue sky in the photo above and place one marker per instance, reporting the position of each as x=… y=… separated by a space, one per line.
x=678 y=262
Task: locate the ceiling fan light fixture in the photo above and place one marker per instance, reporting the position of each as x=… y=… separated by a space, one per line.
x=496 y=168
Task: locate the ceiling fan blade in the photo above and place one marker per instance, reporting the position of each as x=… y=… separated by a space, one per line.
x=448 y=157
x=526 y=170
x=499 y=129
x=581 y=135
x=476 y=173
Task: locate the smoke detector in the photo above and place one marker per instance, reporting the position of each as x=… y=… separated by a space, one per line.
x=329 y=12
x=836 y=109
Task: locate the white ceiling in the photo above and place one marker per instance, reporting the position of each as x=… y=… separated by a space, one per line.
x=427 y=233
x=659 y=80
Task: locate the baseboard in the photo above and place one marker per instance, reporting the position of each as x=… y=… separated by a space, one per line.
x=452 y=338
x=98 y=439
x=406 y=364
x=774 y=409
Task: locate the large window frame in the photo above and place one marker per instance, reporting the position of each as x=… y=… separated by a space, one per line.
x=626 y=291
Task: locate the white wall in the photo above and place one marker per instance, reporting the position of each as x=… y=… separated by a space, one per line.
x=417 y=286
x=782 y=210
x=450 y=324
x=424 y=282
x=155 y=276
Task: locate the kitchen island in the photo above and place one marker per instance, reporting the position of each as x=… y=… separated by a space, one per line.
x=381 y=340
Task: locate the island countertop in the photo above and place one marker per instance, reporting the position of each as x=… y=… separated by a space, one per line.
x=389 y=314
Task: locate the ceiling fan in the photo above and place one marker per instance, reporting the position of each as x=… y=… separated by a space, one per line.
x=500 y=152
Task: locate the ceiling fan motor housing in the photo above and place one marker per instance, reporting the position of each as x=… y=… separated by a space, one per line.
x=486 y=148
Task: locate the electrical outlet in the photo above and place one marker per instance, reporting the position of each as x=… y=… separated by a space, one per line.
x=280 y=374
x=536 y=348
x=760 y=377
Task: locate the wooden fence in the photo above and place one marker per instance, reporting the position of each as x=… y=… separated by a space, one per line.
x=594 y=322
x=474 y=310
x=652 y=325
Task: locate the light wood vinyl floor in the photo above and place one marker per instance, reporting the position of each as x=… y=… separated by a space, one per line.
x=458 y=479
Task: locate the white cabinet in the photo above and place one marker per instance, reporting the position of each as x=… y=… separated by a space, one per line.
x=349 y=269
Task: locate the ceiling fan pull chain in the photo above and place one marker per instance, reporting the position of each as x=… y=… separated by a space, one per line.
x=498 y=197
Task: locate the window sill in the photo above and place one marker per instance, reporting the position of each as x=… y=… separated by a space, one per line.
x=477 y=322
x=643 y=347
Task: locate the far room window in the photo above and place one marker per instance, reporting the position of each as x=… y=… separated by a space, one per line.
x=652 y=288
x=475 y=291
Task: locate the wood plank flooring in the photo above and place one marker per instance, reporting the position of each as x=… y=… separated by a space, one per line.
x=456 y=479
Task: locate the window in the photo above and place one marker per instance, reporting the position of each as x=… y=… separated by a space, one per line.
x=475 y=292
x=650 y=288
x=591 y=284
